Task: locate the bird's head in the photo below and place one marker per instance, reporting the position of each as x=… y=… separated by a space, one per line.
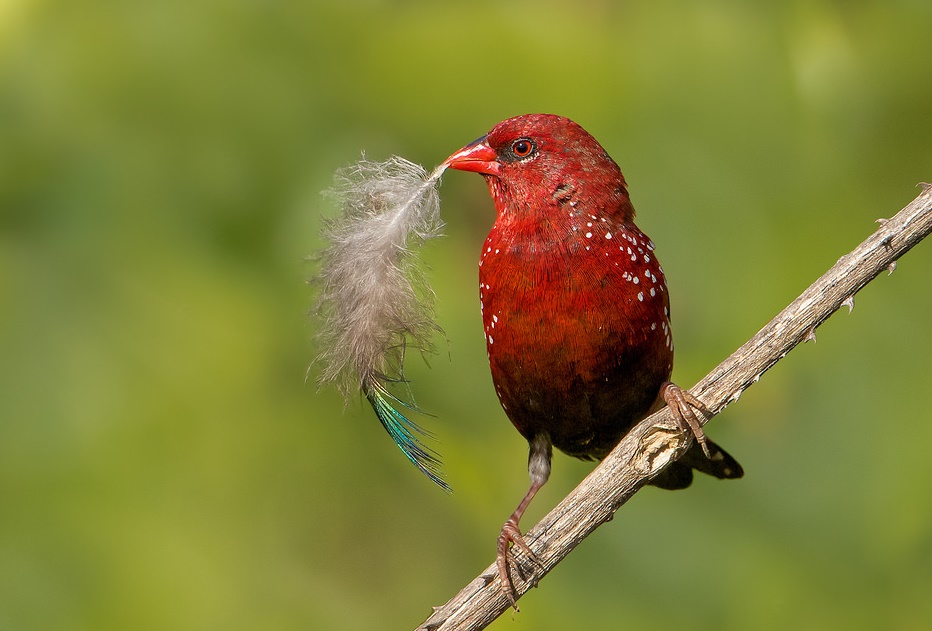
x=540 y=162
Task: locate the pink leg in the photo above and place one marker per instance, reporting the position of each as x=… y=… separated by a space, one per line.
x=539 y=470
x=681 y=403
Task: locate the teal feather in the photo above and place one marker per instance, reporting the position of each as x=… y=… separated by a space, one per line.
x=403 y=430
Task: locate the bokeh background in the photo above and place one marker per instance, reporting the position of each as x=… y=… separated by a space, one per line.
x=164 y=464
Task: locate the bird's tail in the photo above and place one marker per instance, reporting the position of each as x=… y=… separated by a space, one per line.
x=679 y=474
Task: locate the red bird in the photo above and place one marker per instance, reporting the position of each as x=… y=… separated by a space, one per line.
x=575 y=306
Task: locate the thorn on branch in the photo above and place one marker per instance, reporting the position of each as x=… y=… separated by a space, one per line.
x=891 y=267
x=810 y=335
x=925 y=186
x=849 y=302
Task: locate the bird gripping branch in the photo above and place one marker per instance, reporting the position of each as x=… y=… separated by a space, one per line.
x=574 y=302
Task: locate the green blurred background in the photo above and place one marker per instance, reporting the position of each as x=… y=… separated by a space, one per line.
x=164 y=465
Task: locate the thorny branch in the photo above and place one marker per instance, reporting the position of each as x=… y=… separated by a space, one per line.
x=655 y=442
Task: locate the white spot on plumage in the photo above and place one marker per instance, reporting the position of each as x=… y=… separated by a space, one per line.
x=640 y=296
x=589 y=235
x=653 y=292
x=608 y=235
x=636 y=280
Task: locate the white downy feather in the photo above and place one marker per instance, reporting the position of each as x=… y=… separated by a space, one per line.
x=373 y=301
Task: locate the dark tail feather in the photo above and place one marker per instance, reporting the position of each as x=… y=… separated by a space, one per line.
x=679 y=475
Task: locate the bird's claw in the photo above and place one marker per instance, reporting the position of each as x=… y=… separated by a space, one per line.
x=512 y=535
x=681 y=403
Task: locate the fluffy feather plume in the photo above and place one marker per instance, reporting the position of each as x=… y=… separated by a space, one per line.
x=373 y=301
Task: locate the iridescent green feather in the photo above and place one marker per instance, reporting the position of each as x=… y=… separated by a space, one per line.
x=403 y=430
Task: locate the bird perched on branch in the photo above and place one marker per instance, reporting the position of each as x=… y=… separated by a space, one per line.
x=575 y=307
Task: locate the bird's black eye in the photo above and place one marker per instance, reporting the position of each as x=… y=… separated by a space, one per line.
x=523 y=147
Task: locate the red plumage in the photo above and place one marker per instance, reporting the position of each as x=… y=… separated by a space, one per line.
x=574 y=304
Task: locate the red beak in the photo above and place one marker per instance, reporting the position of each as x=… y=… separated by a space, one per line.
x=477 y=156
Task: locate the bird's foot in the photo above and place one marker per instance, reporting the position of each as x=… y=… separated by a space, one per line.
x=512 y=535
x=681 y=403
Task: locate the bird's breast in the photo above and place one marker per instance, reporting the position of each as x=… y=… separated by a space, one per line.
x=577 y=327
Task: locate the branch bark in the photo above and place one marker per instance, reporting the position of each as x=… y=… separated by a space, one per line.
x=655 y=442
